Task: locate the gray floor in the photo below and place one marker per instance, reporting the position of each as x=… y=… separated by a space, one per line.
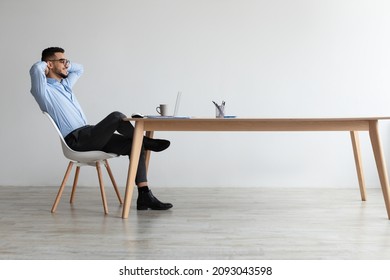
x=233 y=223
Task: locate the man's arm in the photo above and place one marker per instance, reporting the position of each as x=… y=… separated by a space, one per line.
x=39 y=83
x=75 y=71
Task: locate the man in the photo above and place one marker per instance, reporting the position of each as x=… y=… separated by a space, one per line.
x=52 y=80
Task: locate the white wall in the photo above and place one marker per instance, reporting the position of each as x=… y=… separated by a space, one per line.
x=280 y=58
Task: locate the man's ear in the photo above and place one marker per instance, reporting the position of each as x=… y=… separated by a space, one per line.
x=49 y=64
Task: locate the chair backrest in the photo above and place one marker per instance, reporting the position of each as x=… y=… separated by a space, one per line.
x=81 y=157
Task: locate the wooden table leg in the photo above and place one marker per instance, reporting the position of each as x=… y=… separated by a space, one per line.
x=380 y=162
x=133 y=166
x=147 y=153
x=358 y=163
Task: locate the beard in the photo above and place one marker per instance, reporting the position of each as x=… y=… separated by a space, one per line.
x=62 y=75
x=59 y=73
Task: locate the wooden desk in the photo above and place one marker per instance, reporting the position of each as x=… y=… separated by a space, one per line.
x=353 y=125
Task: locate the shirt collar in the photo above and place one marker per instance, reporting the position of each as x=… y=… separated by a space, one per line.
x=52 y=81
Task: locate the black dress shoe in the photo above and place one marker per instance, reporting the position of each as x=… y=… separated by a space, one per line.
x=156 y=145
x=148 y=200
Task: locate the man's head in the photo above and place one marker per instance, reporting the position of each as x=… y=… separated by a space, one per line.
x=57 y=64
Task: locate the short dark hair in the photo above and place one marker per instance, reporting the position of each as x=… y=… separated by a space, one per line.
x=50 y=52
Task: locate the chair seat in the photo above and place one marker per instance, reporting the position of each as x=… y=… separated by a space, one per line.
x=85 y=157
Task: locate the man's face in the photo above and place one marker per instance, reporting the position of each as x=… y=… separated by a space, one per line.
x=58 y=65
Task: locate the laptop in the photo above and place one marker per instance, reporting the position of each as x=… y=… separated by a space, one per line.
x=175 y=112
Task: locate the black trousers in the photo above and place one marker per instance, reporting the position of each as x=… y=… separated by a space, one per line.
x=111 y=135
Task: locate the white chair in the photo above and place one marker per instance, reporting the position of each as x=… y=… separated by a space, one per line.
x=89 y=158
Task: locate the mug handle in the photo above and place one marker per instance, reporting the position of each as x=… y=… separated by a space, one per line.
x=158 y=109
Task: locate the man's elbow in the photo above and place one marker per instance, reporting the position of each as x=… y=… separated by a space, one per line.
x=37 y=68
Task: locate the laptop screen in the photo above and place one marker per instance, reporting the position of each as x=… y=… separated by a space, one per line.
x=177 y=105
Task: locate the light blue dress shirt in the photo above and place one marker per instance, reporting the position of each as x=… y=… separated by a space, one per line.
x=57 y=98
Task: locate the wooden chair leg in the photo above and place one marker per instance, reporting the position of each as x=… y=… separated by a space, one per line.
x=59 y=194
x=102 y=187
x=76 y=178
x=113 y=181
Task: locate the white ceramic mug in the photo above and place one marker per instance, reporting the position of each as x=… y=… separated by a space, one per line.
x=162 y=109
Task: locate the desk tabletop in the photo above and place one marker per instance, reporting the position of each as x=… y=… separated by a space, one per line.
x=256 y=124
x=189 y=119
